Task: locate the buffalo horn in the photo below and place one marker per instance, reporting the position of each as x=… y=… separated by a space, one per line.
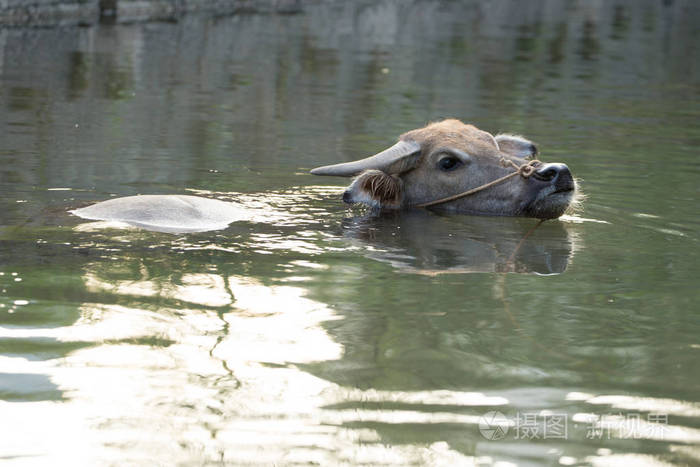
x=396 y=159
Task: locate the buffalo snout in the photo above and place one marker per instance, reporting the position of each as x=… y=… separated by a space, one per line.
x=556 y=174
x=551 y=172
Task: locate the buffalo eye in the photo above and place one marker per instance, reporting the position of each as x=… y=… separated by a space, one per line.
x=449 y=163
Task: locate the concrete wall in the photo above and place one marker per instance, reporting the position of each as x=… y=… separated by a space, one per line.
x=87 y=12
x=146 y=10
x=48 y=12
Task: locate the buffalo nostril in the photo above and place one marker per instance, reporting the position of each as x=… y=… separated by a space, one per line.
x=546 y=175
x=550 y=172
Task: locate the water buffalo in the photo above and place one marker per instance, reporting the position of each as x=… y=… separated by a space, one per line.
x=165 y=213
x=457 y=167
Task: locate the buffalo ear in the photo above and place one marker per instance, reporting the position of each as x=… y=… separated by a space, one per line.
x=516 y=146
x=377 y=189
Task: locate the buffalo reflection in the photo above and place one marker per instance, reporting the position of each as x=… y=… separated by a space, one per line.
x=424 y=242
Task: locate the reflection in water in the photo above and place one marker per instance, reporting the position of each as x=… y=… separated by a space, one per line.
x=207 y=371
x=169 y=369
x=421 y=242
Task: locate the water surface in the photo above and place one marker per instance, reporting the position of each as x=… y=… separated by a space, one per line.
x=316 y=333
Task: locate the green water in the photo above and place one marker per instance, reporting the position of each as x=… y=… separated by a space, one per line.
x=315 y=333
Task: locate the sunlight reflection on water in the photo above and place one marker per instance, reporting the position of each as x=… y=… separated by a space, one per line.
x=156 y=375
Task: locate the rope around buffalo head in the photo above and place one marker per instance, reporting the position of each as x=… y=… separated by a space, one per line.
x=525 y=171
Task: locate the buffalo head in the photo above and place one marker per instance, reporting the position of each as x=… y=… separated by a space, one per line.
x=448 y=158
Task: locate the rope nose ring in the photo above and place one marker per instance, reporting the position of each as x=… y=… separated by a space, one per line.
x=524 y=170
